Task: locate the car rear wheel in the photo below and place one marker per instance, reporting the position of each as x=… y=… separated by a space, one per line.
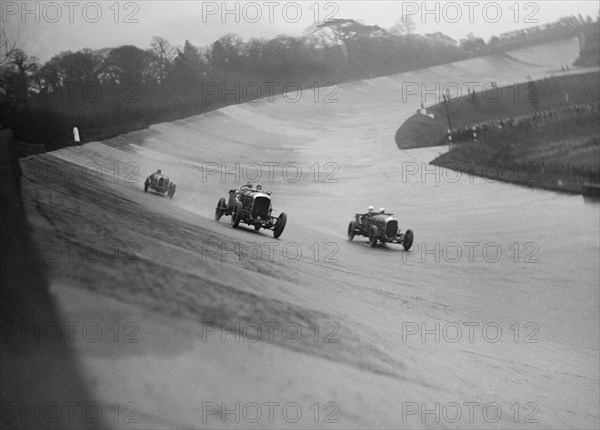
x=236 y=216
x=408 y=239
x=172 y=191
x=373 y=236
x=219 y=211
x=146 y=185
x=280 y=225
x=351 y=228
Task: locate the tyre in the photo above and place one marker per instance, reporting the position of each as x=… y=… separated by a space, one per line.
x=351 y=228
x=219 y=211
x=280 y=225
x=146 y=185
x=236 y=216
x=172 y=191
x=408 y=239
x=373 y=236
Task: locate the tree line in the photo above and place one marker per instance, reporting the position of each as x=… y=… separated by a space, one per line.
x=109 y=91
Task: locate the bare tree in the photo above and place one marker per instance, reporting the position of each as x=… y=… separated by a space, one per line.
x=7 y=47
x=405 y=26
x=165 y=54
x=17 y=75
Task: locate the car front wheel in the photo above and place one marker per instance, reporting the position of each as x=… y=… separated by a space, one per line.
x=236 y=216
x=408 y=239
x=280 y=225
x=219 y=211
x=373 y=236
x=351 y=230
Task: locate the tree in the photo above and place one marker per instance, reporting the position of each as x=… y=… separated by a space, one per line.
x=255 y=56
x=282 y=57
x=7 y=47
x=225 y=53
x=188 y=66
x=164 y=54
x=472 y=43
x=494 y=41
x=346 y=30
x=129 y=64
x=17 y=76
x=405 y=26
x=359 y=43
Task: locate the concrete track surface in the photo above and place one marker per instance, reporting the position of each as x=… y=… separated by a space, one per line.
x=490 y=321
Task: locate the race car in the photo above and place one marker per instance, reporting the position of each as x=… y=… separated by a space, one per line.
x=160 y=183
x=251 y=206
x=382 y=227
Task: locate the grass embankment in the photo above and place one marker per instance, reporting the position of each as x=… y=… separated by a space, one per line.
x=420 y=131
x=559 y=156
x=559 y=151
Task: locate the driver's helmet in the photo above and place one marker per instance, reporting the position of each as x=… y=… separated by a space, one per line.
x=381 y=210
x=371 y=209
x=259 y=187
x=159 y=171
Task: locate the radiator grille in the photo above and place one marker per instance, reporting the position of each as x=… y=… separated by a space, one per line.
x=261 y=207
x=391 y=228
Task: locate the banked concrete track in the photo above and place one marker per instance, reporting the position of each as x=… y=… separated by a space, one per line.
x=510 y=275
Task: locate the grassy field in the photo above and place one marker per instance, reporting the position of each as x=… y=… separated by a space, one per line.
x=420 y=131
x=561 y=156
x=561 y=152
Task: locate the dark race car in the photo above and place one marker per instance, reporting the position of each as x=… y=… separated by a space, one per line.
x=160 y=183
x=381 y=227
x=251 y=206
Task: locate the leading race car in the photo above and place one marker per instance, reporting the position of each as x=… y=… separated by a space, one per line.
x=160 y=183
x=251 y=206
x=381 y=227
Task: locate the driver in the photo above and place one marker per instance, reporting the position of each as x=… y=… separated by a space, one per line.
x=370 y=212
x=381 y=210
x=259 y=187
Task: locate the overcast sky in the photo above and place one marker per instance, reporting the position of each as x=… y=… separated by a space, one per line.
x=46 y=28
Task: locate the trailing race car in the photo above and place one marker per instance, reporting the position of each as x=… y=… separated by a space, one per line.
x=160 y=183
x=251 y=206
x=381 y=227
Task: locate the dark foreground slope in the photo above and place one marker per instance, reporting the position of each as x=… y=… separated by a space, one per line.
x=38 y=372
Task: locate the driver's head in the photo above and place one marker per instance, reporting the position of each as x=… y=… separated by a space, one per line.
x=259 y=187
x=381 y=210
x=158 y=171
x=371 y=209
